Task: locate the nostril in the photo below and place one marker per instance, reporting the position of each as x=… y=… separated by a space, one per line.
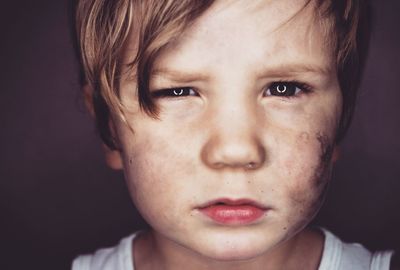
x=251 y=165
x=218 y=165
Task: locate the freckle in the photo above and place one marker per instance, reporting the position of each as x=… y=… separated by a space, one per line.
x=130 y=161
x=284 y=228
x=304 y=136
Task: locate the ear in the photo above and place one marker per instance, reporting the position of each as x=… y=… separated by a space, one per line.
x=336 y=153
x=113 y=157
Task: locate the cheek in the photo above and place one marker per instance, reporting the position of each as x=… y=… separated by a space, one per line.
x=152 y=168
x=307 y=173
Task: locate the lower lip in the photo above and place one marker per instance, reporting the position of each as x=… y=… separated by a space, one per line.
x=233 y=214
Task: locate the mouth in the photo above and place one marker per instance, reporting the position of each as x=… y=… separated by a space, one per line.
x=233 y=212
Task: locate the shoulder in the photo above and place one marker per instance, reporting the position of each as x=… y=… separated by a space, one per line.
x=341 y=255
x=118 y=257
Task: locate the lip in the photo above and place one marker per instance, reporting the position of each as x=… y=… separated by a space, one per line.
x=227 y=211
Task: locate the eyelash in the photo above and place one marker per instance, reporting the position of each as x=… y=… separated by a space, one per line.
x=298 y=88
x=175 y=92
x=294 y=88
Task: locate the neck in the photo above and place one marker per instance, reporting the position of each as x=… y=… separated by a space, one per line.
x=153 y=251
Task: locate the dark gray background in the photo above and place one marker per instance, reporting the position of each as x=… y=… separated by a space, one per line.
x=58 y=199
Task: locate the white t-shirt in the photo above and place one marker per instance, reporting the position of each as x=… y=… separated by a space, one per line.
x=336 y=255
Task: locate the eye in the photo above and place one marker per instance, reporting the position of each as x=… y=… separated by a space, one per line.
x=285 y=89
x=175 y=92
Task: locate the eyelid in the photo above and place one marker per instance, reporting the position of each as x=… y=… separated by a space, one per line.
x=300 y=87
x=173 y=92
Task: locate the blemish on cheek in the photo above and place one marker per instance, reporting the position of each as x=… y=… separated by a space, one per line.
x=326 y=147
x=323 y=171
x=304 y=136
x=315 y=172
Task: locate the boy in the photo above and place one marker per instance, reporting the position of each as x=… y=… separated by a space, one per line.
x=225 y=117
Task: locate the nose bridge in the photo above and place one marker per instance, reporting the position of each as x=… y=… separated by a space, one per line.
x=233 y=140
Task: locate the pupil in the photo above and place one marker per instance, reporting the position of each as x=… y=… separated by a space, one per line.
x=178 y=92
x=281 y=88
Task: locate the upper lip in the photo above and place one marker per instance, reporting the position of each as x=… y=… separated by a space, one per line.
x=233 y=202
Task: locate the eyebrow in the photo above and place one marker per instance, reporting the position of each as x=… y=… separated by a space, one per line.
x=179 y=76
x=290 y=69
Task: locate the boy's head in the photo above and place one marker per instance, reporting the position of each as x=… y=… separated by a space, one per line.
x=224 y=115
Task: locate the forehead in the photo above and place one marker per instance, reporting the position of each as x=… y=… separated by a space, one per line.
x=252 y=34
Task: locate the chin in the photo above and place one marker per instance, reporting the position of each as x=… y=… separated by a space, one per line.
x=235 y=255
x=236 y=246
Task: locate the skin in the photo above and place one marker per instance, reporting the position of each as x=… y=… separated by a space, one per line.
x=199 y=147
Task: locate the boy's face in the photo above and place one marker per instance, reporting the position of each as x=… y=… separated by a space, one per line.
x=232 y=168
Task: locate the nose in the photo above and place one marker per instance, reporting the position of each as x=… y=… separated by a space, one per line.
x=233 y=143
